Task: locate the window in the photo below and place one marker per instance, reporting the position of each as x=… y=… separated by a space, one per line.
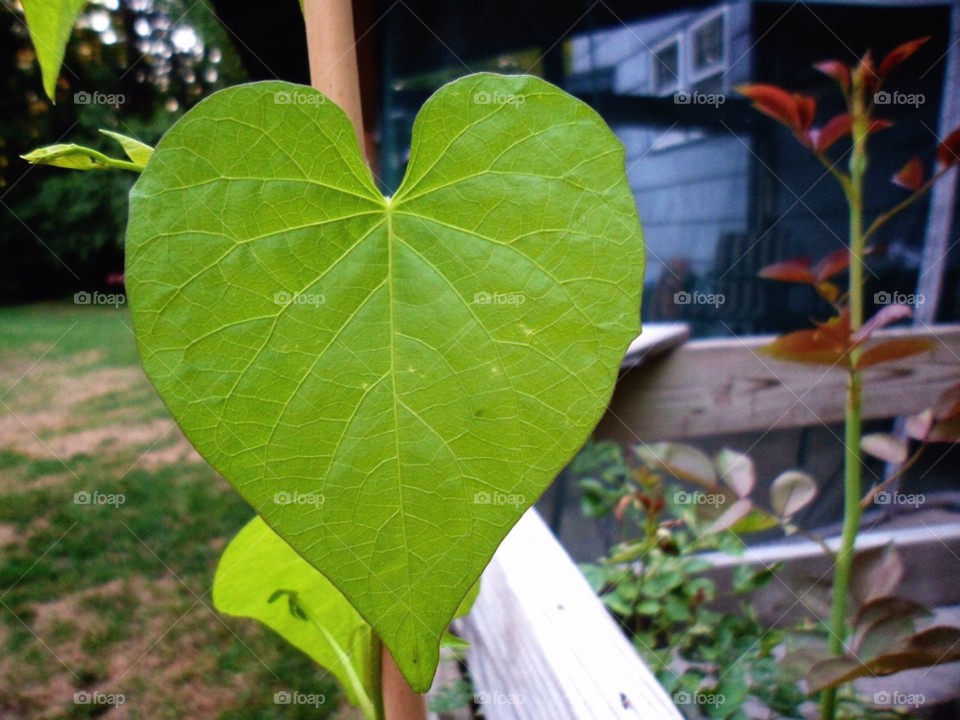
x=666 y=66
x=708 y=45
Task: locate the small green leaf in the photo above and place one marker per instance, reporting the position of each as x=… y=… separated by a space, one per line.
x=754 y=521
x=258 y=569
x=681 y=461
x=885 y=446
x=731 y=515
x=137 y=151
x=449 y=640
x=50 y=23
x=791 y=492
x=736 y=470
x=77 y=157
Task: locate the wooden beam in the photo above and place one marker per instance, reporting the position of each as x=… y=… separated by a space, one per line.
x=542 y=645
x=713 y=387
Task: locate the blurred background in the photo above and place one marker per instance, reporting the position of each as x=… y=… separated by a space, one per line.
x=721 y=189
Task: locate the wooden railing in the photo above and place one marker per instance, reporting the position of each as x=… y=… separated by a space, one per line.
x=542 y=643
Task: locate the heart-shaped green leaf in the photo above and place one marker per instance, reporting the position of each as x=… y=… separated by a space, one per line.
x=389 y=382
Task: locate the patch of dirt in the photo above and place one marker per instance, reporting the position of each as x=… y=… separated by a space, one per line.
x=55 y=415
x=160 y=660
x=8 y=536
x=180 y=451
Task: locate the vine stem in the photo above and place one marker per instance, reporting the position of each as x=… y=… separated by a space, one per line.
x=333 y=71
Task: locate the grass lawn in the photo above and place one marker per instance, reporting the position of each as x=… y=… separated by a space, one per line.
x=116 y=598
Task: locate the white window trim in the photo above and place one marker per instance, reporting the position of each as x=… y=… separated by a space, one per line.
x=694 y=76
x=675 y=39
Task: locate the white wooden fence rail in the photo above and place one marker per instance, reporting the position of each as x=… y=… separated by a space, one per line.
x=543 y=646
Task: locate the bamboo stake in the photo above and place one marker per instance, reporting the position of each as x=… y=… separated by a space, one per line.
x=333 y=57
x=399 y=701
x=333 y=71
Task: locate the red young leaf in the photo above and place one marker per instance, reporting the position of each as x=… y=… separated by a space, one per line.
x=806 y=109
x=910 y=176
x=802 y=346
x=886 y=315
x=947 y=406
x=837 y=70
x=835 y=128
x=948 y=151
x=836 y=332
x=918 y=426
x=827 y=344
x=892 y=350
x=875 y=573
x=834 y=671
x=795 y=111
x=867 y=74
x=885 y=446
x=946 y=431
x=899 y=54
x=831 y=264
x=881 y=607
x=792 y=270
x=773 y=101
x=828 y=291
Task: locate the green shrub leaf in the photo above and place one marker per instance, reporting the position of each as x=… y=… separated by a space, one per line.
x=391 y=383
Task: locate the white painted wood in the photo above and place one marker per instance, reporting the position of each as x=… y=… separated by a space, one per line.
x=654 y=340
x=543 y=646
x=714 y=386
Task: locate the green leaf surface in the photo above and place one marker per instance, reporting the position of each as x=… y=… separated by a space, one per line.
x=77 y=157
x=792 y=491
x=50 y=23
x=137 y=151
x=411 y=372
x=255 y=565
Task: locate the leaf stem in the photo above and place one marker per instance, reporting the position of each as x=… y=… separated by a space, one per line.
x=883 y=217
x=868 y=498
